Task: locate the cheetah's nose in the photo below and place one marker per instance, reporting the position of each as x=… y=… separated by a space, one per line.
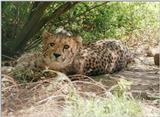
x=56 y=55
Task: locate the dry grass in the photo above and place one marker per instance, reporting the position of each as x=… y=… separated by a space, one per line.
x=61 y=97
x=58 y=96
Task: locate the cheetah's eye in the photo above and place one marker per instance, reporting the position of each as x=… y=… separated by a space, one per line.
x=66 y=46
x=51 y=44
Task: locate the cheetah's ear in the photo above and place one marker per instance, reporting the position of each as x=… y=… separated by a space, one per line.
x=46 y=35
x=78 y=39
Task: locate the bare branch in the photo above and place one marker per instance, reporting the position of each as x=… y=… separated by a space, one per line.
x=85 y=12
x=24 y=36
x=82 y=14
x=60 y=10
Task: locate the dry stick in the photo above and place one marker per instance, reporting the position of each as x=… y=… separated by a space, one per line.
x=91 y=80
x=83 y=13
x=52 y=97
x=9 y=79
x=49 y=98
x=9 y=87
x=60 y=10
x=90 y=83
x=44 y=109
x=94 y=82
x=84 y=76
x=31 y=83
x=40 y=83
x=71 y=84
x=11 y=58
x=33 y=44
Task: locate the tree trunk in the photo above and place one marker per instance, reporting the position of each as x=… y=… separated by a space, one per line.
x=26 y=32
x=36 y=22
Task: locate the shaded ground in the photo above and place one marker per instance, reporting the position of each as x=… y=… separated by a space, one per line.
x=145 y=79
x=33 y=99
x=145 y=76
x=145 y=87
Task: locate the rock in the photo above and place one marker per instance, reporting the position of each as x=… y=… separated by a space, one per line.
x=6 y=69
x=152 y=51
x=157 y=59
x=149 y=53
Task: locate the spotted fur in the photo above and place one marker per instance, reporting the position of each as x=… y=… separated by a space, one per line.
x=104 y=56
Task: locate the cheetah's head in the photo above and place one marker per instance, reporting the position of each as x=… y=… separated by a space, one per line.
x=59 y=50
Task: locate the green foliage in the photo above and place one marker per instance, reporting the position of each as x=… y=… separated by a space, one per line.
x=121 y=88
x=107 y=106
x=110 y=20
x=14 y=16
x=23 y=75
x=91 y=20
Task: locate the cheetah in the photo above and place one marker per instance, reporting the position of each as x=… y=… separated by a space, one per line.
x=67 y=54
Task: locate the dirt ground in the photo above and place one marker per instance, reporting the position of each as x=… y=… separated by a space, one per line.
x=143 y=73
x=145 y=87
x=145 y=76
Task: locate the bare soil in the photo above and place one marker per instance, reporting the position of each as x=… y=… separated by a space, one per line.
x=33 y=99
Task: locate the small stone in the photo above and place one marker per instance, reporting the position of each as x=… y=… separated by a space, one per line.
x=156 y=59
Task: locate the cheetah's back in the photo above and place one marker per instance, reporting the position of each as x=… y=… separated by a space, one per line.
x=104 y=56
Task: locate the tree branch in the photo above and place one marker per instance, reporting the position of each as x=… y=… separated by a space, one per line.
x=82 y=14
x=85 y=12
x=37 y=21
x=34 y=6
x=60 y=10
x=23 y=37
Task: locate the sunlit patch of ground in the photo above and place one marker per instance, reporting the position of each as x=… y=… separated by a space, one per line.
x=58 y=96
